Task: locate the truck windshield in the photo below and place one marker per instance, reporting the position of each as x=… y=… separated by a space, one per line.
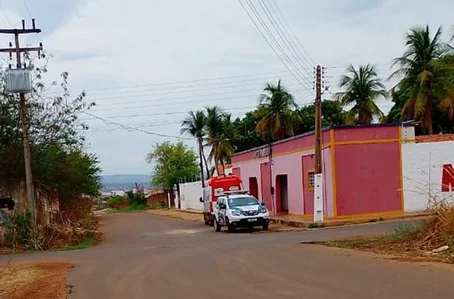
x=242 y=201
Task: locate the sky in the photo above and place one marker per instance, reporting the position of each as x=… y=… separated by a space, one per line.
x=146 y=63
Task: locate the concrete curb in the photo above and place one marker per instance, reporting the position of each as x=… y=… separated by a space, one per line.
x=335 y=223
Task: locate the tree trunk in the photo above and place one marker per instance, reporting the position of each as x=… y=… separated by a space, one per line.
x=427 y=118
x=206 y=164
x=223 y=167
x=201 y=161
x=178 y=194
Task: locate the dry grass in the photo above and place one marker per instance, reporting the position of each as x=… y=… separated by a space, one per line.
x=46 y=280
x=413 y=243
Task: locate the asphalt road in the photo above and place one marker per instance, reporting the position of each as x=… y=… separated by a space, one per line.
x=148 y=256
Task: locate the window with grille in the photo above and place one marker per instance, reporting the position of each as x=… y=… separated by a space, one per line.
x=311 y=180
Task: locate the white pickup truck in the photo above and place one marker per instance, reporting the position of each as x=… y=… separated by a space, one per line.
x=239 y=209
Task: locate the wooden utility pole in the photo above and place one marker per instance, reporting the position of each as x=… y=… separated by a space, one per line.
x=23 y=109
x=318 y=120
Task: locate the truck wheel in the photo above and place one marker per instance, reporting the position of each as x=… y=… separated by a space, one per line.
x=217 y=227
x=266 y=226
x=230 y=227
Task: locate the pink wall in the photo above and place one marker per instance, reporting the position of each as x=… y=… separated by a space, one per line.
x=307 y=164
x=328 y=182
x=366 y=133
x=265 y=185
x=302 y=142
x=292 y=167
x=288 y=164
x=368 y=178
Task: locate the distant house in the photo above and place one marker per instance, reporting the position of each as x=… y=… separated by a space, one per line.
x=117 y=193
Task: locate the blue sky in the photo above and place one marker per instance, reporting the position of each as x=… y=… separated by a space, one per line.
x=109 y=46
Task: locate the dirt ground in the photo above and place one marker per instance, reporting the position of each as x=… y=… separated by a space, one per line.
x=197 y=217
x=43 y=280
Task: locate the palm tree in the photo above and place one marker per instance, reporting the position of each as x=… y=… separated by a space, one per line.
x=213 y=128
x=225 y=145
x=194 y=125
x=426 y=74
x=361 y=87
x=276 y=108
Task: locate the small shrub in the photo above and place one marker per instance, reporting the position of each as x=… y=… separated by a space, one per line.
x=136 y=199
x=21 y=233
x=116 y=201
x=316 y=225
x=403 y=232
x=372 y=220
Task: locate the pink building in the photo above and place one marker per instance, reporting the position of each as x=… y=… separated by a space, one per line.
x=362 y=172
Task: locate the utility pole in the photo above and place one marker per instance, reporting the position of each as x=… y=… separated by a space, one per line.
x=318 y=177
x=23 y=109
x=318 y=120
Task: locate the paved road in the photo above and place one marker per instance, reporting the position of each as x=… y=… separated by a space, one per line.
x=148 y=256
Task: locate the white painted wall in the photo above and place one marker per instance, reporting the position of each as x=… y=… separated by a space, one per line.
x=190 y=194
x=422 y=171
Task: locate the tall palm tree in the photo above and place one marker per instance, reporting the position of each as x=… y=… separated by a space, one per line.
x=276 y=108
x=361 y=88
x=426 y=73
x=213 y=128
x=194 y=125
x=225 y=144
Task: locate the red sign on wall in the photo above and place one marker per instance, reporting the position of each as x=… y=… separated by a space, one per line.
x=447 y=178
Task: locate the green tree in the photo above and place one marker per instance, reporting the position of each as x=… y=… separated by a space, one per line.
x=59 y=161
x=277 y=110
x=173 y=162
x=225 y=142
x=247 y=136
x=426 y=74
x=214 y=127
x=332 y=114
x=194 y=124
x=362 y=88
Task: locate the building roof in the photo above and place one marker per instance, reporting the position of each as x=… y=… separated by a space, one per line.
x=434 y=138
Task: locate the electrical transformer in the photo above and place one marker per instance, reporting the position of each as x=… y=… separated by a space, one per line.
x=18 y=81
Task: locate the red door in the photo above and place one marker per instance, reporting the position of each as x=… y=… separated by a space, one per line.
x=308 y=190
x=265 y=180
x=254 y=187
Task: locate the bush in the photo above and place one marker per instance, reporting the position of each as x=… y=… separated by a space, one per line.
x=22 y=234
x=136 y=199
x=116 y=201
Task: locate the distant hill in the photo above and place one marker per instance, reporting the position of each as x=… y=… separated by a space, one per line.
x=124 y=181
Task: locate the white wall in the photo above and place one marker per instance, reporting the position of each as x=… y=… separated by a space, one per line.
x=190 y=194
x=422 y=171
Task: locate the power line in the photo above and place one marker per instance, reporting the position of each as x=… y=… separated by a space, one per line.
x=176 y=90
x=265 y=26
x=291 y=31
x=269 y=43
x=283 y=35
x=28 y=10
x=164 y=113
x=128 y=128
x=6 y=16
x=184 y=81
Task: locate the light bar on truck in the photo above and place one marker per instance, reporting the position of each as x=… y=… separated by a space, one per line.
x=235 y=192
